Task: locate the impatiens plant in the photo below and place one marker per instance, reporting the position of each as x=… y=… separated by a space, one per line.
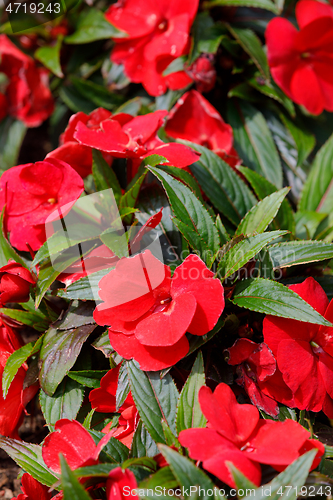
x=166 y=249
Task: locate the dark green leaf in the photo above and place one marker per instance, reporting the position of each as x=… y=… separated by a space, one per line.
x=155 y=398
x=85 y=288
x=104 y=176
x=114 y=450
x=93 y=26
x=184 y=176
x=123 y=387
x=271 y=297
x=272 y=91
x=262 y=187
x=143 y=444
x=307 y=223
x=260 y=4
x=29 y=457
x=27 y=318
x=100 y=470
x=129 y=199
x=163 y=478
x=304 y=140
x=252 y=46
x=12 y=133
x=187 y=474
x=207 y=36
x=299 y=252
x=238 y=255
x=58 y=354
x=49 y=55
x=226 y=190
x=65 y=402
x=254 y=142
x=189 y=414
x=97 y=94
x=75 y=101
x=89 y=378
x=262 y=214
x=191 y=217
x=318 y=190
x=103 y=344
x=72 y=489
x=15 y=360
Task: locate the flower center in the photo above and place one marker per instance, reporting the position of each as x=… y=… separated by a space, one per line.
x=52 y=201
x=316 y=349
x=163 y=25
x=305 y=55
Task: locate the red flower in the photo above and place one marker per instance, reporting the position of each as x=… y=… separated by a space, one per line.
x=120 y=484
x=3 y=106
x=150 y=313
x=15 y=281
x=28 y=96
x=13 y=407
x=31 y=193
x=195 y=119
x=203 y=73
x=126 y=137
x=32 y=489
x=71 y=151
x=304 y=352
x=236 y=434
x=302 y=56
x=158 y=33
x=74 y=442
x=103 y=400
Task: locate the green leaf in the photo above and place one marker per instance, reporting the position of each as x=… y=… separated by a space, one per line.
x=145 y=463
x=187 y=474
x=252 y=46
x=271 y=90
x=207 y=36
x=184 y=176
x=129 y=198
x=191 y=217
x=29 y=318
x=262 y=214
x=29 y=457
x=299 y=252
x=114 y=451
x=85 y=288
x=123 y=387
x=104 y=176
x=71 y=487
x=142 y=444
x=7 y=252
x=262 y=187
x=163 y=478
x=15 y=361
x=49 y=55
x=225 y=189
x=287 y=483
x=100 y=470
x=241 y=481
x=304 y=140
x=254 y=142
x=97 y=94
x=155 y=398
x=58 y=354
x=12 y=133
x=103 y=344
x=189 y=414
x=89 y=378
x=224 y=236
x=271 y=297
x=317 y=193
x=260 y=4
x=93 y=26
x=243 y=251
x=307 y=223
x=75 y=101
x=65 y=402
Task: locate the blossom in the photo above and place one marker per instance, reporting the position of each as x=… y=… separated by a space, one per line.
x=194 y=119
x=71 y=151
x=12 y=408
x=304 y=352
x=103 y=400
x=27 y=94
x=15 y=282
x=74 y=442
x=125 y=136
x=31 y=193
x=296 y=57
x=203 y=73
x=118 y=480
x=149 y=312
x=157 y=33
x=32 y=489
x=236 y=434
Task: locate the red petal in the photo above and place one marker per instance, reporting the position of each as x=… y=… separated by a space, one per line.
x=72 y=440
x=232 y=420
x=149 y=358
x=110 y=137
x=118 y=480
x=76 y=155
x=177 y=154
x=173 y=322
x=310 y=10
x=33 y=489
